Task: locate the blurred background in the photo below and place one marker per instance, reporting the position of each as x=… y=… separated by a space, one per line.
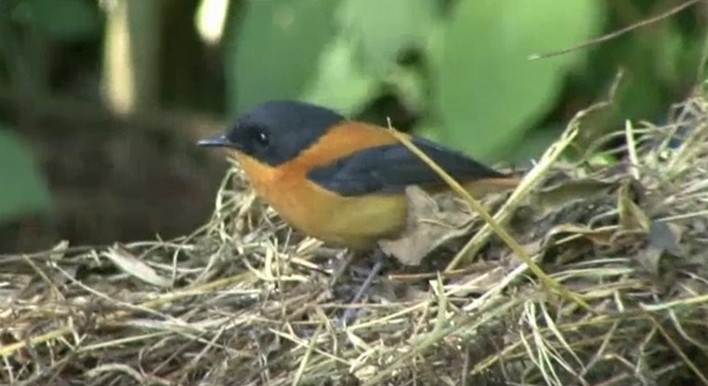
x=101 y=101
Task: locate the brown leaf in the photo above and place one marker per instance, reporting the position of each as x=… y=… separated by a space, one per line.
x=552 y=198
x=530 y=249
x=666 y=236
x=428 y=226
x=135 y=267
x=597 y=236
x=664 y=241
x=631 y=216
x=481 y=282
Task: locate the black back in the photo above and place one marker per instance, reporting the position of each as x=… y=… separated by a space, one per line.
x=390 y=169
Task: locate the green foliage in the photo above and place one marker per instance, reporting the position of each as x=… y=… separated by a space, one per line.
x=659 y=63
x=473 y=84
x=60 y=19
x=380 y=30
x=276 y=48
x=22 y=189
x=339 y=82
x=486 y=85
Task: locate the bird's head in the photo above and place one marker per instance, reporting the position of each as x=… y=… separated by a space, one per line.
x=276 y=132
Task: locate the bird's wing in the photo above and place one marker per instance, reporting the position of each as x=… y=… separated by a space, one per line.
x=389 y=169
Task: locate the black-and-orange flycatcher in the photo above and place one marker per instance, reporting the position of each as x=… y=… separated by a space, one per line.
x=339 y=180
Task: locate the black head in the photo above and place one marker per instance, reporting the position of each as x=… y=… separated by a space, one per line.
x=276 y=132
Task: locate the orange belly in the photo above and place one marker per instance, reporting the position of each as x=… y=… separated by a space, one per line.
x=353 y=222
x=348 y=222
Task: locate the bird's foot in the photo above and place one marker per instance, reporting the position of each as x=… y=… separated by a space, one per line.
x=379 y=262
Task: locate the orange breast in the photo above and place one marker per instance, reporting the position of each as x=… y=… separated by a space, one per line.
x=355 y=222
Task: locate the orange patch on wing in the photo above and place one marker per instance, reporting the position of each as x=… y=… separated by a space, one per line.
x=341 y=141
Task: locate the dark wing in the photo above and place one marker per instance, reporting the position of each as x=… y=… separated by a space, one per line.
x=389 y=169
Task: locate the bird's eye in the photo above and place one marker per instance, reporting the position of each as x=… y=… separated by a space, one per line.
x=262 y=138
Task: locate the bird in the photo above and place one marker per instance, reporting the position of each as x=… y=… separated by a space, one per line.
x=340 y=180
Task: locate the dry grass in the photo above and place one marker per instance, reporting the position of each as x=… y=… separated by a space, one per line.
x=243 y=302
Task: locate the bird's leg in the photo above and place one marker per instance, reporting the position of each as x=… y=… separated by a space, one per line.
x=337 y=274
x=379 y=261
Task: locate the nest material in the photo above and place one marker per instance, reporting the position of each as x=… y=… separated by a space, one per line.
x=243 y=302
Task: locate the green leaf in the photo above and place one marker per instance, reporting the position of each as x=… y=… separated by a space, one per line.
x=69 y=20
x=488 y=91
x=411 y=87
x=381 y=29
x=639 y=95
x=340 y=84
x=430 y=130
x=22 y=188
x=274 y=48
x=530 y=144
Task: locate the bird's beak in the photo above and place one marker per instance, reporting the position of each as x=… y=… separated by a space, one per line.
x=216 y=141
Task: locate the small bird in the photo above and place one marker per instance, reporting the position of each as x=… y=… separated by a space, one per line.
x=339 y=180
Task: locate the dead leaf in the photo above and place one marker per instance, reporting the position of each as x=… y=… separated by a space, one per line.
x=531 y=249
x=135 y=267
x=631 y=216
x=455 y=274
x=552 y=198
x=663 y=243
x=599 y=236
x=478 y=282
x=427 y=227
x=666 y=236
